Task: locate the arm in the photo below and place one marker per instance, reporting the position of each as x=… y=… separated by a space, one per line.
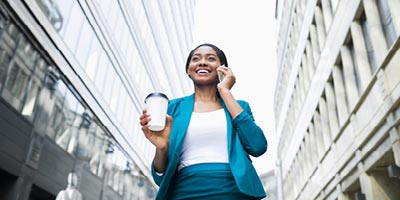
x=250 y=134
x=231 y=104
x=224 y=89
x=160 y=139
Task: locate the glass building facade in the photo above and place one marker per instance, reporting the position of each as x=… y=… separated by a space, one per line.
x=73 y=78
x=337 y=99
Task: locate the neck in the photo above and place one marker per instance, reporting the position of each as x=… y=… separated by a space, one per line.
x=205 y=94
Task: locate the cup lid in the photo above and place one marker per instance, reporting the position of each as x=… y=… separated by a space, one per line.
x=156 y=94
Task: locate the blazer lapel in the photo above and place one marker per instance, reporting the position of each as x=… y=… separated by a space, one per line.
x=181 y=124
x=229 y=125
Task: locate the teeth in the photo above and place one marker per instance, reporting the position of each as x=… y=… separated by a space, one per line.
x=202 y=71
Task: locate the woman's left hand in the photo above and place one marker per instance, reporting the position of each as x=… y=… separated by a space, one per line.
x=229 y=78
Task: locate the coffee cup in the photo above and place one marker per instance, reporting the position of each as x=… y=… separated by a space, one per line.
x=157 y=104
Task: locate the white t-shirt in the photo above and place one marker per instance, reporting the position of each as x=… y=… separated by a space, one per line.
x=205 y=140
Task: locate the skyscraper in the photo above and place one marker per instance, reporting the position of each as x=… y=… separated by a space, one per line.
x=73 y=78
x=337 y=99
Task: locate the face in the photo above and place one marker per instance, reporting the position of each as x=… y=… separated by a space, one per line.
x=203 y=65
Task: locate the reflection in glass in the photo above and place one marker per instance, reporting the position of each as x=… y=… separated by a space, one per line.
x=52 y=12
x=5 y=58
x=85 y=39
x=91 y=65
x=66 y=6
x=67 y=138
x=15 y=85
x=58 y=116
x=98 y=142
x=74 y=27
x=39 y=91
x=33 y=92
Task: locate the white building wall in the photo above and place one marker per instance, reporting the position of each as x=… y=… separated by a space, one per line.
x=335 y=111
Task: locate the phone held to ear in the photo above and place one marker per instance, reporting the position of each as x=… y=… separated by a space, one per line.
x=220 y=75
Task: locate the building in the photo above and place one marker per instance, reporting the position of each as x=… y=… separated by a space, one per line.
x=337 y=99
x=269 y=182
x=73 y=79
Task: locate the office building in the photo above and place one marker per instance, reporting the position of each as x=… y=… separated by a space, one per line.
x=337 y=99
x=269 y=182
x=73 y=78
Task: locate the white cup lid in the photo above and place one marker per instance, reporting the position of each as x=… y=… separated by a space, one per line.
x=155 y=94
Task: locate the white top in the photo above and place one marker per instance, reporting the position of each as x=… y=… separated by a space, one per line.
x=205 y=140
x=69 y=194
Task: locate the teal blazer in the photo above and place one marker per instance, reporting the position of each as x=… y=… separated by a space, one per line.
x=244 y=138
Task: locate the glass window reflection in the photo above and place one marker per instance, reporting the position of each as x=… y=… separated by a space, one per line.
x=74 y=27
x=52 y=11
x=16 y=84
x=5 y=58
x=58 y=117
x=34 y=86
x=85 y=39
x=66 y=6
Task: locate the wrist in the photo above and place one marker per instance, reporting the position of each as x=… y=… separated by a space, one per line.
x=163 y=149
x=223 y=90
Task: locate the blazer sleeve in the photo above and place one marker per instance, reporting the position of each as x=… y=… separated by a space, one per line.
x=157 y=177
x=250 y=134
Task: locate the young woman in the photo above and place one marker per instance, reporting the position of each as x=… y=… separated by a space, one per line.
x=203 y=152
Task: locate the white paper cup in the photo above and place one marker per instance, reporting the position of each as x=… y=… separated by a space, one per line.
x=157 y=104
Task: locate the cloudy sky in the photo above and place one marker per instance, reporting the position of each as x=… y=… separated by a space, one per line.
x=245 y=30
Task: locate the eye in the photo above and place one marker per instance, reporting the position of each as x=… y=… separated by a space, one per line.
x=195 y=58
x=211 y=58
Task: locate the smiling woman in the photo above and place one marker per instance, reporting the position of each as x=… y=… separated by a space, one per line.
x=249 y=40
x=209 y=137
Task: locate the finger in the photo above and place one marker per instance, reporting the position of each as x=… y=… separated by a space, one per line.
x=169 y=119
x=145 y=121
x=168 y=122
x=222 y=68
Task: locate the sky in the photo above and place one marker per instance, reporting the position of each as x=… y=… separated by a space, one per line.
x=245 y=30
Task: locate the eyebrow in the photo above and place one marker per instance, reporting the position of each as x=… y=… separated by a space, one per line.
x=208 y=54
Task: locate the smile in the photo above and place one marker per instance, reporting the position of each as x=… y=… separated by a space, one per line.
x=202 y=71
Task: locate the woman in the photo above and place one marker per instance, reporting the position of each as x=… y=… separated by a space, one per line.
x=203 y=152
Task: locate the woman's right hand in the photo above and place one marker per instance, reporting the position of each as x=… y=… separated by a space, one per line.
x=160 y=139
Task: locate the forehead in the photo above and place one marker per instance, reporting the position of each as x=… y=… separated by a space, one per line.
x=205 y=50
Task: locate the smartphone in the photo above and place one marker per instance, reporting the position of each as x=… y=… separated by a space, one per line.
x=220 y=75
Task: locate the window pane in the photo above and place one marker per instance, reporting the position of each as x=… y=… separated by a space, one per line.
x=30 y=101
x=15 y=85
x=73 y=28
x=5 y=58
x=51 y=10
x=101 y=69
x=69 y=111
x=109 y=86
x=57 y=121
x=86 y=37
x=64 y=7
x=93 y=59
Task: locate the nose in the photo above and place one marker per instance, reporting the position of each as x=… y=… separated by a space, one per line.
x=203 y=62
